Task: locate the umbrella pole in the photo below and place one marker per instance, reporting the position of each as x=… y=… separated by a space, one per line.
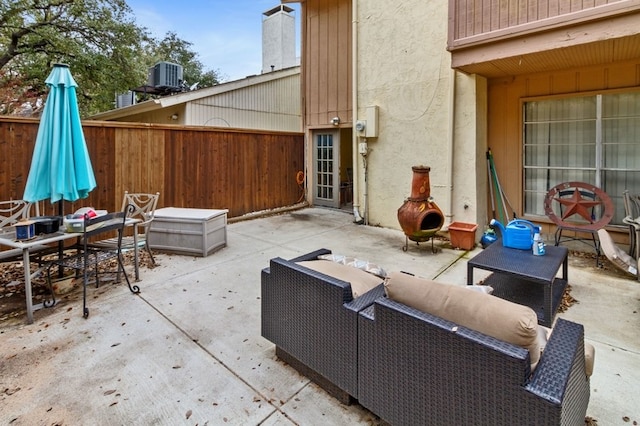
x=60 y=243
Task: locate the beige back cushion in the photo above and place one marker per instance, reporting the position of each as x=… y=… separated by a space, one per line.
x=360 y=281
x=495 y=317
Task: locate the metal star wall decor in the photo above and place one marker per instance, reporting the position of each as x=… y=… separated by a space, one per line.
x=578 y=205
x=589 y=202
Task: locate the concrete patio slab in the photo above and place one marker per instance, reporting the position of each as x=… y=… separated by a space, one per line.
x=188 y=349
x=125 y=365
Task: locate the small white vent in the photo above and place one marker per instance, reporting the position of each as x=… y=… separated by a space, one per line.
x=125 y=99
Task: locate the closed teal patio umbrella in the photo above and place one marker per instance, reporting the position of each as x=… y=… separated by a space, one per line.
x=60 y=166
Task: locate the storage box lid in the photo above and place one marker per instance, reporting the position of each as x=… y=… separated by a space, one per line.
x=188 y=213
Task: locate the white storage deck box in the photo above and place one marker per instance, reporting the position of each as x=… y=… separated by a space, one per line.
x=198 y=232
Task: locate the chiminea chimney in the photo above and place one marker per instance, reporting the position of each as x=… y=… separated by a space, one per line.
x=420 y=217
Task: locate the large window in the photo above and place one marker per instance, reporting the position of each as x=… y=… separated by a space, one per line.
x=593 y=139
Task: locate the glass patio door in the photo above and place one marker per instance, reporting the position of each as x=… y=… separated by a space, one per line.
x=326 y=169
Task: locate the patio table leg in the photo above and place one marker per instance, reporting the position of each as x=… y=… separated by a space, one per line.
x=548 y=313
x=27 y=283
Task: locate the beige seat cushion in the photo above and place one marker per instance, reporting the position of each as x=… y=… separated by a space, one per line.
x=360 y=281
x=495 y=317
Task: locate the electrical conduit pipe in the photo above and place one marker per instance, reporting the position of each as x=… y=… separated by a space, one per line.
x=354 y=114
x=451 y=135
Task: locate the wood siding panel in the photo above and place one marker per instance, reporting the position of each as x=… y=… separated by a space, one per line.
x=343 y=66
x=474 y=17
x=331 y=48
x=493 y=23
x=328 y=50
x=477 y=14
x=505 y=97
x=243 y=171
x=324 y=66
x=500 y=38
x=312 y=71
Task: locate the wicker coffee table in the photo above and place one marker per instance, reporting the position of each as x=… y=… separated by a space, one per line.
x=523 y=278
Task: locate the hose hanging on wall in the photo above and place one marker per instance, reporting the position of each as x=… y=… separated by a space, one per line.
x=300 y=182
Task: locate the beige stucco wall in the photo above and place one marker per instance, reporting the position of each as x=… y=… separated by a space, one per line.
x=404 y=68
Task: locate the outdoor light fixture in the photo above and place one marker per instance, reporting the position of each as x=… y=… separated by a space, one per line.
x=335 y=121
x=174 y=117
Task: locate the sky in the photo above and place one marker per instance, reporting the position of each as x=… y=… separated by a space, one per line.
x=226 y=35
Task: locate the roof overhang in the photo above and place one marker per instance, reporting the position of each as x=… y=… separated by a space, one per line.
x=591 y=43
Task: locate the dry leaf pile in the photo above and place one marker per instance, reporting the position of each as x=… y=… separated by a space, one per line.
x=12 y=292
x=567 y=300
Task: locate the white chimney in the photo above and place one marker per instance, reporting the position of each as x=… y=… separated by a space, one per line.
x=278 y=39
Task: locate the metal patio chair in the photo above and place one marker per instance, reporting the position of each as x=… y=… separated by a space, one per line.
x=632 y=219
x=12 y=212
x=139 y=218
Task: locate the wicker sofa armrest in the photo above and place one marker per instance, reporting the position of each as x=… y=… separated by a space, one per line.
x=313 y=318
x=561 y=378
x=311 y=256
x=359 y=304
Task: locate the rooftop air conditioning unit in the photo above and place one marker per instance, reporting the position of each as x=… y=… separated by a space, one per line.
x=166 y=75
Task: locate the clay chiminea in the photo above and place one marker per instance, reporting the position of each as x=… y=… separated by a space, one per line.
x=420 y=217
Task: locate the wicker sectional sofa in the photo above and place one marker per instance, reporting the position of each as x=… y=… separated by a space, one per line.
x=410 y=367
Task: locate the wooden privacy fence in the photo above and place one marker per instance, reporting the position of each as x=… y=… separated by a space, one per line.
x=244 y=171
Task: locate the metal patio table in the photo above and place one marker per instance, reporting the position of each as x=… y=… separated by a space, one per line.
x=521 y=277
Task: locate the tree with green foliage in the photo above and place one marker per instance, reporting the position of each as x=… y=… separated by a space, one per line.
x=106 y=50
